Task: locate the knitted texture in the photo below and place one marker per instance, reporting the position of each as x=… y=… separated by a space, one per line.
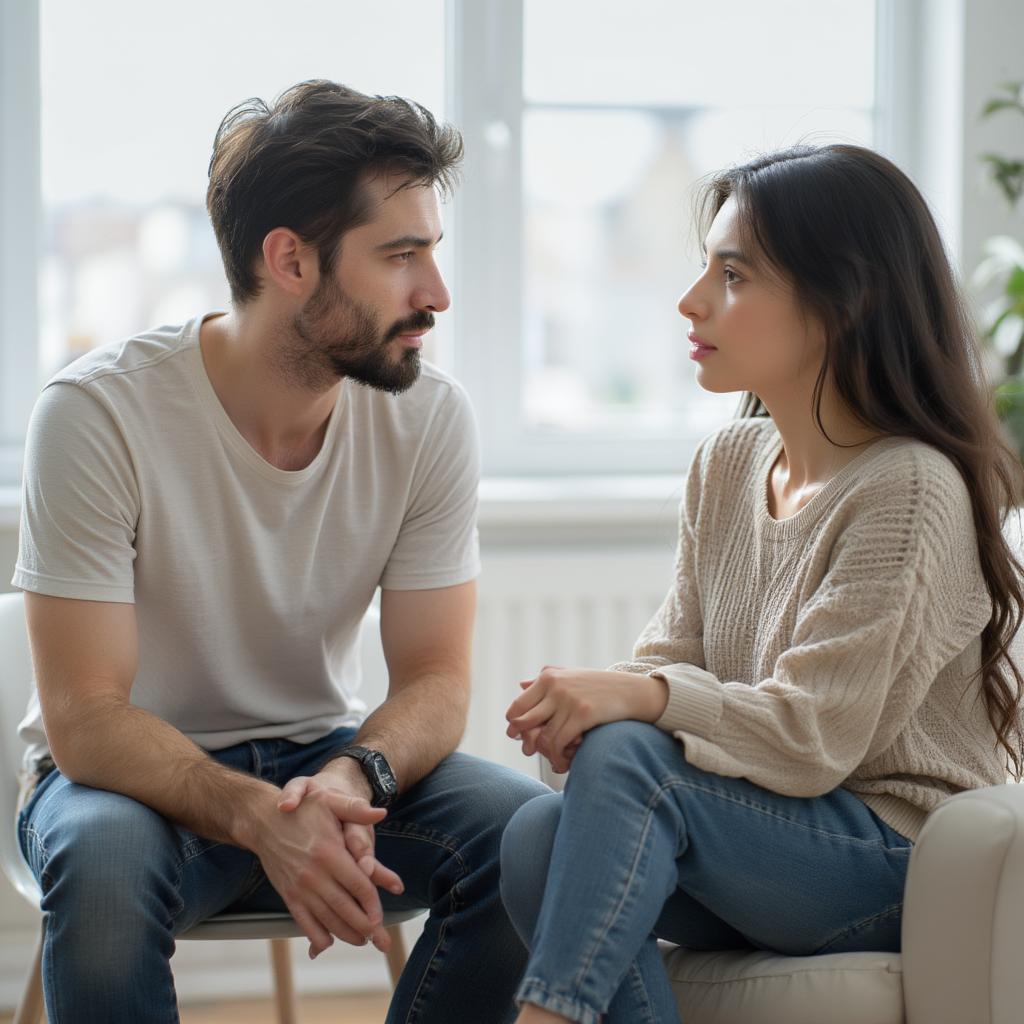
x=837 y=647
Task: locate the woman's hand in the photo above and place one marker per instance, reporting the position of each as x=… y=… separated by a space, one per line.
x=562 y=704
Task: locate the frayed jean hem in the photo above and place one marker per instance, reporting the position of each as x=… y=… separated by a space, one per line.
x=533 y=990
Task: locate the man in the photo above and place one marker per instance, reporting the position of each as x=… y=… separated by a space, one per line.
x=208 y=511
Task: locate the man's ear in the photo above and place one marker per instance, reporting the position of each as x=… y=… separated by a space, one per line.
x=290 y=263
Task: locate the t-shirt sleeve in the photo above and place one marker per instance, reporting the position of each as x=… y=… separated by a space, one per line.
x=80 y=501
x=903 y=596
x=438 y=545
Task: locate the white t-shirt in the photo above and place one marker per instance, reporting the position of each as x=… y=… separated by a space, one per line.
x=250 y=582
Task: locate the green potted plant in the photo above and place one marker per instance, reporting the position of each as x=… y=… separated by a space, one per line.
x=1002 y=269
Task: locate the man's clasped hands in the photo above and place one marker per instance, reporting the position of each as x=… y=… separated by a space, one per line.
x=319 y=852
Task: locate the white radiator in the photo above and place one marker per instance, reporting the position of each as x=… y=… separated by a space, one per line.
x=553 y=607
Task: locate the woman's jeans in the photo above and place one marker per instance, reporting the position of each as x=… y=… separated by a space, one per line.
x=642 y=845
x=120 y=882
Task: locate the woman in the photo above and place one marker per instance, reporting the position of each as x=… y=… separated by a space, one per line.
x=831 y=660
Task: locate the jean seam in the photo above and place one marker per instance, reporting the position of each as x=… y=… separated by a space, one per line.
x=674 y=780
x=636 y=979
x=609 y=921
x=614 y=912
x=446 y=843
x=891 y=911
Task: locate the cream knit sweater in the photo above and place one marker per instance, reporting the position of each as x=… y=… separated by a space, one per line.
x=835 y=647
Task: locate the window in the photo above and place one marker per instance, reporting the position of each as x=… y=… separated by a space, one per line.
x=126 y=139
x=593 y=140
x=567 y=245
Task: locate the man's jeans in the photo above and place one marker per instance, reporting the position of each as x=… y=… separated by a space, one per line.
x=642 y=845
x=119 y=882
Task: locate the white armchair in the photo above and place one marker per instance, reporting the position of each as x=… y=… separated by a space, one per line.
x=963 y=924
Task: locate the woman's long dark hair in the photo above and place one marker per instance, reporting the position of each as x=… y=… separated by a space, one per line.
x=856 y=240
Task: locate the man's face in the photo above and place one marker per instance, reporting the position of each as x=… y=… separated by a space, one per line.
x=367 y=318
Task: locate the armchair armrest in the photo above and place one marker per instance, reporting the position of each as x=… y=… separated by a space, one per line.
x=963 y=914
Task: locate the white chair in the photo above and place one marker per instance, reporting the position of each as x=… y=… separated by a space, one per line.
x=15 y=686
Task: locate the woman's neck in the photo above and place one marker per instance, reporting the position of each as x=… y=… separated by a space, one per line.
x=809 y=458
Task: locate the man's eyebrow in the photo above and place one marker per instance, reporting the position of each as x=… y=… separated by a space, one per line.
x=410 y=242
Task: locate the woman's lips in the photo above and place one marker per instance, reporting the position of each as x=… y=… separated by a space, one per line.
x=698 y=347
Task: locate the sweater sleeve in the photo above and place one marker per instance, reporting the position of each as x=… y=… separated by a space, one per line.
x=903 y=595
x=676 y=632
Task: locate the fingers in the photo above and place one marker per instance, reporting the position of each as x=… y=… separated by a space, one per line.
x=531 y=718
x=382 y=876
x=360 y=841
x=292 y=793
x=353 y=808
x=319 y=937
x=329 y=919
x=350 y=893
x=531 y=695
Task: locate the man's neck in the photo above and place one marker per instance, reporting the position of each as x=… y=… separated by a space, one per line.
x=284 y=423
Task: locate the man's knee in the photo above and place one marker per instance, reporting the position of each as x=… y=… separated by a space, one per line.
x=103 y=853
x=487 y=794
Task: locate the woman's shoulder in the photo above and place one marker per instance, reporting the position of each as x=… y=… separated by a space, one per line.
x=903 y=472
x=908 y=504
x=739 y=444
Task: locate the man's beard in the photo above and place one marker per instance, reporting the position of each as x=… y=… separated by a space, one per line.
x=336 y=336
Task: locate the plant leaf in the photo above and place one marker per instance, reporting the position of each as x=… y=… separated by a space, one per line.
x=1007 y=335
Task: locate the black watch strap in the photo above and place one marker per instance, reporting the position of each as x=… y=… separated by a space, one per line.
x=377 y=772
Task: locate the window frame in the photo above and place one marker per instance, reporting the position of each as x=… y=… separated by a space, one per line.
x=484 y=97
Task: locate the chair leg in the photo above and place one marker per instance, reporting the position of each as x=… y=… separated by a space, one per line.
x=30 y=1009
x=284 y=983
x=397 y=954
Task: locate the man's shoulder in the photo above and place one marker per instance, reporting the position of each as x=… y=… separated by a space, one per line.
x=130 y=356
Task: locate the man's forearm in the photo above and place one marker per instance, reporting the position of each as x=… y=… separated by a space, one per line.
x=116 y=746
x=415 y=728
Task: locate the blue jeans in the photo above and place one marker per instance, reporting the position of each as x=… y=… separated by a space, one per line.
x=119 y=882
x=642 y=845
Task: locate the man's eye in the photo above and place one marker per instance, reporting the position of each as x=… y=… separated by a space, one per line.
x=403 y=257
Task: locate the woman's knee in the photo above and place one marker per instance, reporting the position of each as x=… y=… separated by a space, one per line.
x=611 y=750
x=525 y=855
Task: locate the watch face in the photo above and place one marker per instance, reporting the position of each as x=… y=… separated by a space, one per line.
x=385 y=783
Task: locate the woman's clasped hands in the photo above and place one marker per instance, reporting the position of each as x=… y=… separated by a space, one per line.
x=560 y=705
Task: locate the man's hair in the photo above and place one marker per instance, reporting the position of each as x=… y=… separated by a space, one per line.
x=302 y=162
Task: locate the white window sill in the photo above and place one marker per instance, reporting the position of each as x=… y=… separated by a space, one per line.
x=517 y=502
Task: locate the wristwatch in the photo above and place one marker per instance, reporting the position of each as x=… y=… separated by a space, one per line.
x=378 y=773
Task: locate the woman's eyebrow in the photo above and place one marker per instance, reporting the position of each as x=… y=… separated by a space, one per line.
x=729 y=254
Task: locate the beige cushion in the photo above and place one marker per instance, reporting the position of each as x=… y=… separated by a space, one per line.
x=765 y=988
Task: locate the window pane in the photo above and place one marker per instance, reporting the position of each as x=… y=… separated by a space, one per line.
x=608 y=190
x=692 y=53
x=131 y=98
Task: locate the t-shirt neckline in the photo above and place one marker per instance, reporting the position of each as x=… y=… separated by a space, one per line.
x=229 y=432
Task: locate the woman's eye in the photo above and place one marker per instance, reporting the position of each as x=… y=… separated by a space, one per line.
x=731 y=277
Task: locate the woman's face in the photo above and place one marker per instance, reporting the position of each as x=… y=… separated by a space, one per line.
x=749 y=333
